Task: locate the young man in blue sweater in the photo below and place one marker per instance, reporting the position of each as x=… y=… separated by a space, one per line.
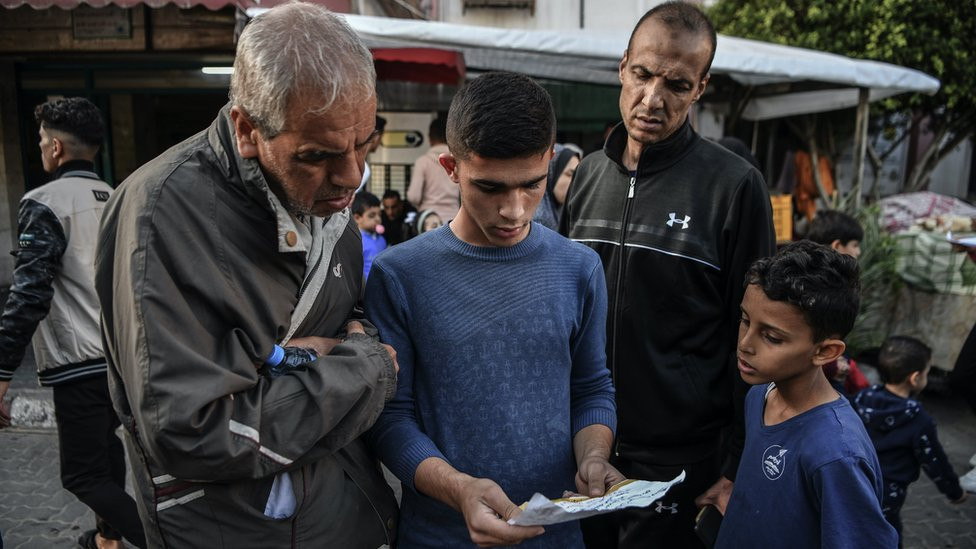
x=809 y=476
x=499 y=325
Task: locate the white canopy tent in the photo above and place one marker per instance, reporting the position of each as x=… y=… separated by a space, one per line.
x=590 y=56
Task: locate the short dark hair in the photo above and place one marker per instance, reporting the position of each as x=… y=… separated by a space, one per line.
x=380 y=123
x=392 y=193
x=501 y=115
x=831 y=225
x=75 y=116
x=681 y=16
x=818 y=280
x=900 y=357
x=437 y=131
x=363 y=201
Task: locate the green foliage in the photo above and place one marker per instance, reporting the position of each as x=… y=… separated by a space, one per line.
x=937 y=37
x=879 y=282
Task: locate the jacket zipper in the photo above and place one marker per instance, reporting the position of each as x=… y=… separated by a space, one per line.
x=309 y=276
x=617 y=290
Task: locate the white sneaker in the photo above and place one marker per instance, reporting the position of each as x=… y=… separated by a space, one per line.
x=968 y=481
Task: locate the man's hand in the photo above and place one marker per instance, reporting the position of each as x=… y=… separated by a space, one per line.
x=486 y=510
x=354 y=327
x=718 y=495
x=321 y=345
x=596 y=475
x=485 y=506
x=4 y=412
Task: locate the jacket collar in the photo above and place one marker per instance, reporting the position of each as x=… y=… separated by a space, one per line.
x=249 y=174
x=82 y=168
x=656 y=156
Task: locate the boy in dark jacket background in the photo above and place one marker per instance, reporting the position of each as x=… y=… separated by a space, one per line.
x=903 y=434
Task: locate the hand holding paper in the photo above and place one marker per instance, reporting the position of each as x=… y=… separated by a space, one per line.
x=540 y=510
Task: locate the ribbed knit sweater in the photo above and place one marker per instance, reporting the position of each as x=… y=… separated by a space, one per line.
x=502 y=361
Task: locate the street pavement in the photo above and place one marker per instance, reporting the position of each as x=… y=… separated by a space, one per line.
x=35 y=512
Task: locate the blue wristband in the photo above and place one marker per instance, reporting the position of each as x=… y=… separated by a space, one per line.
x=277 y=355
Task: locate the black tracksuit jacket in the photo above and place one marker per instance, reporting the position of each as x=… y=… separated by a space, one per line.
x=676 y=238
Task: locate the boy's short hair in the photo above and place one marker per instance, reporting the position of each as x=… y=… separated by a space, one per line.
x=900 y=357
x=831 y=225
x=75 y=116
x=363 y=201
x=819 y=281
x=501 y=115
x=392 y=193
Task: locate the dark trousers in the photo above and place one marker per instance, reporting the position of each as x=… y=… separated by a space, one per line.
x=891 y=503
x=667 y=523
x=963 y=375
x=92 y=458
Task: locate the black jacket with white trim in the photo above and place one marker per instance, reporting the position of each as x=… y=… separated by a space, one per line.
x=52 y=302
x=676 y=238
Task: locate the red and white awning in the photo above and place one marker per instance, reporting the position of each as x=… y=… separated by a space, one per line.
x=340 y=6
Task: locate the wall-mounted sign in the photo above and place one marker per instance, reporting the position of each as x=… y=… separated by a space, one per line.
x=402 y=139
x=108 y=22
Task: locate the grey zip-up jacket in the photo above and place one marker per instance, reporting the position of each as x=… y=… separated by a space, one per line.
x=199 y=272
x=52 y=302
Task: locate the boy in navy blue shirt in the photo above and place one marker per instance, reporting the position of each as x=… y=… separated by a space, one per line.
x=809 y=476
x=902 y=433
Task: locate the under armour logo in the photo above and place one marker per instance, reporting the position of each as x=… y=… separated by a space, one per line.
x=674 y=219
x=662 y=507
x=337 y=270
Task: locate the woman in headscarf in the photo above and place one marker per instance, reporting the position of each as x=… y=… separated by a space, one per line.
x=561 y=169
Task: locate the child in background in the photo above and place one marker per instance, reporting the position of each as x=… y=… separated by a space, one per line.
x=809 y=476
x=844 y=234
x=366 y=213
x=428 y=220
x=903 y=434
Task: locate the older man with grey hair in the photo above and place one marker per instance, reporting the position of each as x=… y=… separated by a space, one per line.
x=229 y=273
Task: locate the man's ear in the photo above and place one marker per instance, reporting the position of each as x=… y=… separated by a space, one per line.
x=245 y=133
x=449 y=163
x=622 y=67
x=837 y=245
x=57 y=148
x=828 y=351
x=702 y=85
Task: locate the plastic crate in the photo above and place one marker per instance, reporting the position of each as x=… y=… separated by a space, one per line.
x=782 y=217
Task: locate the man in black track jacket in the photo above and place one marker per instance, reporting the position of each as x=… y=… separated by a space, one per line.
x=677 y=220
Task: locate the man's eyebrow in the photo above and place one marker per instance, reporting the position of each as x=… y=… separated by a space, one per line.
x=679 y=79
x=493 y=183
x=368 y=138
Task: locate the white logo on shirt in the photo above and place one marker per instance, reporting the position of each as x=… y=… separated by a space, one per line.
x=661 y=507
x=674 y=219
x=774 y=461
x=337 y=270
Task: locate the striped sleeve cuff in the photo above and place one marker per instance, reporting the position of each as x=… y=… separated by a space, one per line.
x=405 y=468
x=595 y=416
